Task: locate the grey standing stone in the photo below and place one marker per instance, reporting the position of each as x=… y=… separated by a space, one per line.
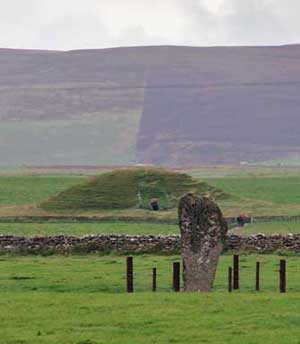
x=203 y=231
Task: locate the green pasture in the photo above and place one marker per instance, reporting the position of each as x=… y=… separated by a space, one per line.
x=82 y=228
x=82 y=300
x=97 y=273
x=18 y=190
x=273 y=227
x=260 y=195
x=98 y=318
x=131 y=228
x=278 y=190
x=252 y=192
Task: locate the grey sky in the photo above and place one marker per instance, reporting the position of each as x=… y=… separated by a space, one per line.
x=75 y=24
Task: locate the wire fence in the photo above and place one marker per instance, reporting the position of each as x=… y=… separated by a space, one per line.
x=151 y=281
x=145 y=273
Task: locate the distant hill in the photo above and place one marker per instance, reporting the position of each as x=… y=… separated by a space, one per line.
x=164 y=105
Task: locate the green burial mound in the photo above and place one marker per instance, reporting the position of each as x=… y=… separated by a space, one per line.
x=131 y=188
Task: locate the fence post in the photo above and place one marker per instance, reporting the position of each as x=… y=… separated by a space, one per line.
x=282 y=276
x=230 y=279
x=176 y=276
x=236 y=276
x=257 y=278
x=154 y=279
x=129 y=274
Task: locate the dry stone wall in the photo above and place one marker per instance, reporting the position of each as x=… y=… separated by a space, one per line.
x=124 y=244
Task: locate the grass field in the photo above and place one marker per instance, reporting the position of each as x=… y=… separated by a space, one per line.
x=81 y=229
x=260 y=195
x=279 y=190
x=253 y=195
x=81 y=300
x=17 y=190
x=106 y=274
x=274 y=227
x=119 y=227
x=87 y=318
x=254 y=191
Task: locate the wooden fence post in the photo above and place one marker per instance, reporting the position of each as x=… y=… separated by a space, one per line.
x=154 y=279
x=257 y=277
x=230 y=279
x=129 y=274
x=282 y=276
x=176 y=276
x=236 y=275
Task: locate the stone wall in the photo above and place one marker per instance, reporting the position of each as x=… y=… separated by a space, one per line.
x=124 y=244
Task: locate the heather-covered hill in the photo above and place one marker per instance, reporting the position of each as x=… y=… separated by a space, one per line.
x=163 y=105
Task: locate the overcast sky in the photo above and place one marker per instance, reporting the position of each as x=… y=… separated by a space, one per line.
x=79 y=24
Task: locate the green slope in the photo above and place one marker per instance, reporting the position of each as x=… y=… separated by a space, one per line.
x=130 y=188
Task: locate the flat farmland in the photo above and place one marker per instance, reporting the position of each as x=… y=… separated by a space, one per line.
x=131 y=228
x=85 y=228
x=260 y=194
x=82 y=299
x=272 y=227
x=24 y=189
x=276 y=190
x=253 y=191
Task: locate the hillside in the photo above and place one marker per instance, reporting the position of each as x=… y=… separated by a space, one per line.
x=163 y=105
x=130 y=188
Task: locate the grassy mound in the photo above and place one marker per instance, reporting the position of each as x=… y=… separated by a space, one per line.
x=130 y=188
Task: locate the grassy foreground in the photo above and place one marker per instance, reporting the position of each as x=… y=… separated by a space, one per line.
x=35 y=318
x=81 y=300
x=106 y=274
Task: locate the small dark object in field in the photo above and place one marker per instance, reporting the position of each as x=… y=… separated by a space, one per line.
x=230 y=279
x=176 y=276
x=155 y=204
x=257 y=277
x=282 y=276
x=154 y=284
x=236 y=272
x=129 y=274
x=242 y=220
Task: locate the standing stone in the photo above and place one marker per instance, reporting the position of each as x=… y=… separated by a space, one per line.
x=203 y=231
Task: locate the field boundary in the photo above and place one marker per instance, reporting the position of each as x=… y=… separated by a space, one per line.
x=136 y=219
x=83 y=219
x=140 y=244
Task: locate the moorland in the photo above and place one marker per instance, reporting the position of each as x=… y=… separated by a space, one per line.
x=156 y=104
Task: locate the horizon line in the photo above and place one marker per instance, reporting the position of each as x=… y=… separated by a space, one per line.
x=155 y=46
